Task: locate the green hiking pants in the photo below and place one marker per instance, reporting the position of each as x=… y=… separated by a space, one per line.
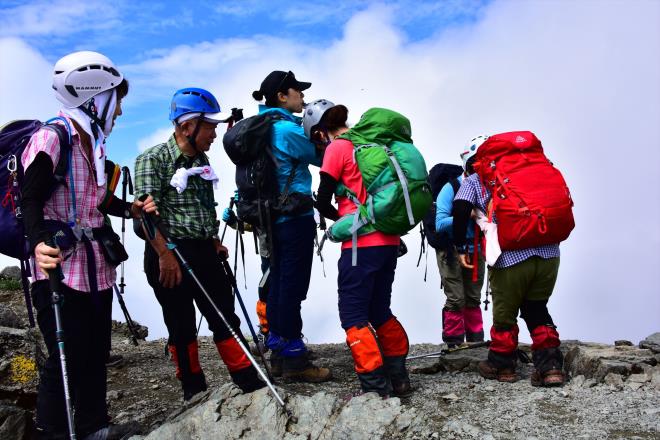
x=533 y=280
x=457 y=281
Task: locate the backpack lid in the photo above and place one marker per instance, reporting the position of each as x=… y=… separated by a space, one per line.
x=380 y=126
x=442 y=173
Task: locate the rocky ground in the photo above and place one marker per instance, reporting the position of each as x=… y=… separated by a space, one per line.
x=614 y=393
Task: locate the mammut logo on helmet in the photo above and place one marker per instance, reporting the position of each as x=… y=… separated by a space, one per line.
x=88 y=87
x=520 y=139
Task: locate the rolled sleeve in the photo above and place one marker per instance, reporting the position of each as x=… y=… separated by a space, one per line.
x=147 y=177
x=46 y=141
x=467 y=191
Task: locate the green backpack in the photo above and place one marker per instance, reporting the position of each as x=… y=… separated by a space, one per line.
x=394 y=175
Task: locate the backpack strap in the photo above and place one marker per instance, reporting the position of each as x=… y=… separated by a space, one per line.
x=455 y=185
x=289 y=181
x=404 y=183
x=64 y=137
x=65 y=164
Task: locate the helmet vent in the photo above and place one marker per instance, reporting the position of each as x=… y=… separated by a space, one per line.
x=192 y=92
x=112 y=70
x=71 y=90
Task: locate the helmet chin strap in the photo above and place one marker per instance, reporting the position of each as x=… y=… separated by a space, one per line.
x=192 y=139
x=97 y=124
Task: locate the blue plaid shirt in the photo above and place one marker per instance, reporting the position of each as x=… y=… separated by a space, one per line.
x=472 y=191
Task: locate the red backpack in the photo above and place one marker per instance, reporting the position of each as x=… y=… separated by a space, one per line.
x=530 y=200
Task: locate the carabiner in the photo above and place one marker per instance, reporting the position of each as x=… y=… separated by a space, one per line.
x=12 y=164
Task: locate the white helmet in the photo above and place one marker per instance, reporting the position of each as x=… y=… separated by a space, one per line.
x=81 y=75
x=313 y=113
x=471 y=148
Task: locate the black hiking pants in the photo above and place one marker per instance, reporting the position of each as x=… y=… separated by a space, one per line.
x=178 y=308
x=86 y=321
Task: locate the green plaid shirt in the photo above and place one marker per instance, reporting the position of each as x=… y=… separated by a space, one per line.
x=189 y=215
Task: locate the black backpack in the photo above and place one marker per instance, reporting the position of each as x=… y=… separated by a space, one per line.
x=248 y=145
x=439 y=175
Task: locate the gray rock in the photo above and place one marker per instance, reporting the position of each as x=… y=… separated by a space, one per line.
x=577 y=381
x=114 y=395
x=15 y=423
x=8 y=318
x=623 y=343
x=639 y=378
x=11 y=273
x=226 y=413
x=121 y=328
x=652 y=342
x=614 y=380
x=596 y=360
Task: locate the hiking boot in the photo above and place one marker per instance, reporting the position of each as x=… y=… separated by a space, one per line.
x=123 y=430
x=311 y=374
x=551 y=378
x=120 y=431
x=276 y=364
x=489 y=371
x=114 y=361
x=247 y=379
x=402 y=389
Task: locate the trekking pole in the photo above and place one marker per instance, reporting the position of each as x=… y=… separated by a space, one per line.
x=486 y=302
x=257 y=342
x=55 y=281
x=222 y=238
x=224 y=230
x=232 y=201
x=450 y=350
x=127 y=316
x=126 y=186
x=151 y=232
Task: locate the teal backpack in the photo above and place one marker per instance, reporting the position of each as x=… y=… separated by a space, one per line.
x=394 y=175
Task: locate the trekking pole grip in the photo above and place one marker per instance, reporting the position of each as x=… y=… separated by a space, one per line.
x=54 y=275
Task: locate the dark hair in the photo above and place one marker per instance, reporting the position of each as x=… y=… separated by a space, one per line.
x=469 y=165
x=334 y=118
x=122 y=89
x=271 y=100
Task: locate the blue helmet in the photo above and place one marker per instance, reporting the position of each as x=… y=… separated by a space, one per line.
x=193 y=100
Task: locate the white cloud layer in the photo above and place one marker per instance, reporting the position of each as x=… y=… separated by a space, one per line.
x=584 y=76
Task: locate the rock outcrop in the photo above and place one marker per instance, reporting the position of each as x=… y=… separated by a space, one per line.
x=613 y=392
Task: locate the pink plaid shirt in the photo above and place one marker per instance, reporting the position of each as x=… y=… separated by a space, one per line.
x=88 y=197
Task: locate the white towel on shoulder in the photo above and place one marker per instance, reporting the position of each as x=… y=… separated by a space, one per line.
x=180 y=178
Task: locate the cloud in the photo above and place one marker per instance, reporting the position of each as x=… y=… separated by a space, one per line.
x=593 y=98
x=58 y=17
x=159 y=136
x=565 y=81
x=25 y=83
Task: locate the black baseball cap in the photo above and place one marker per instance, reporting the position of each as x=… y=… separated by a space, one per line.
x=280 y=81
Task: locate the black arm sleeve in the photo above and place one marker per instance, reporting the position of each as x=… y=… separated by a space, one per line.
x=35 y=192
x=116 y=207
x=461 y=209
x=327 y=188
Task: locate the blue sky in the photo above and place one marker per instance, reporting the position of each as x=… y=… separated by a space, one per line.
x=584 y=76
